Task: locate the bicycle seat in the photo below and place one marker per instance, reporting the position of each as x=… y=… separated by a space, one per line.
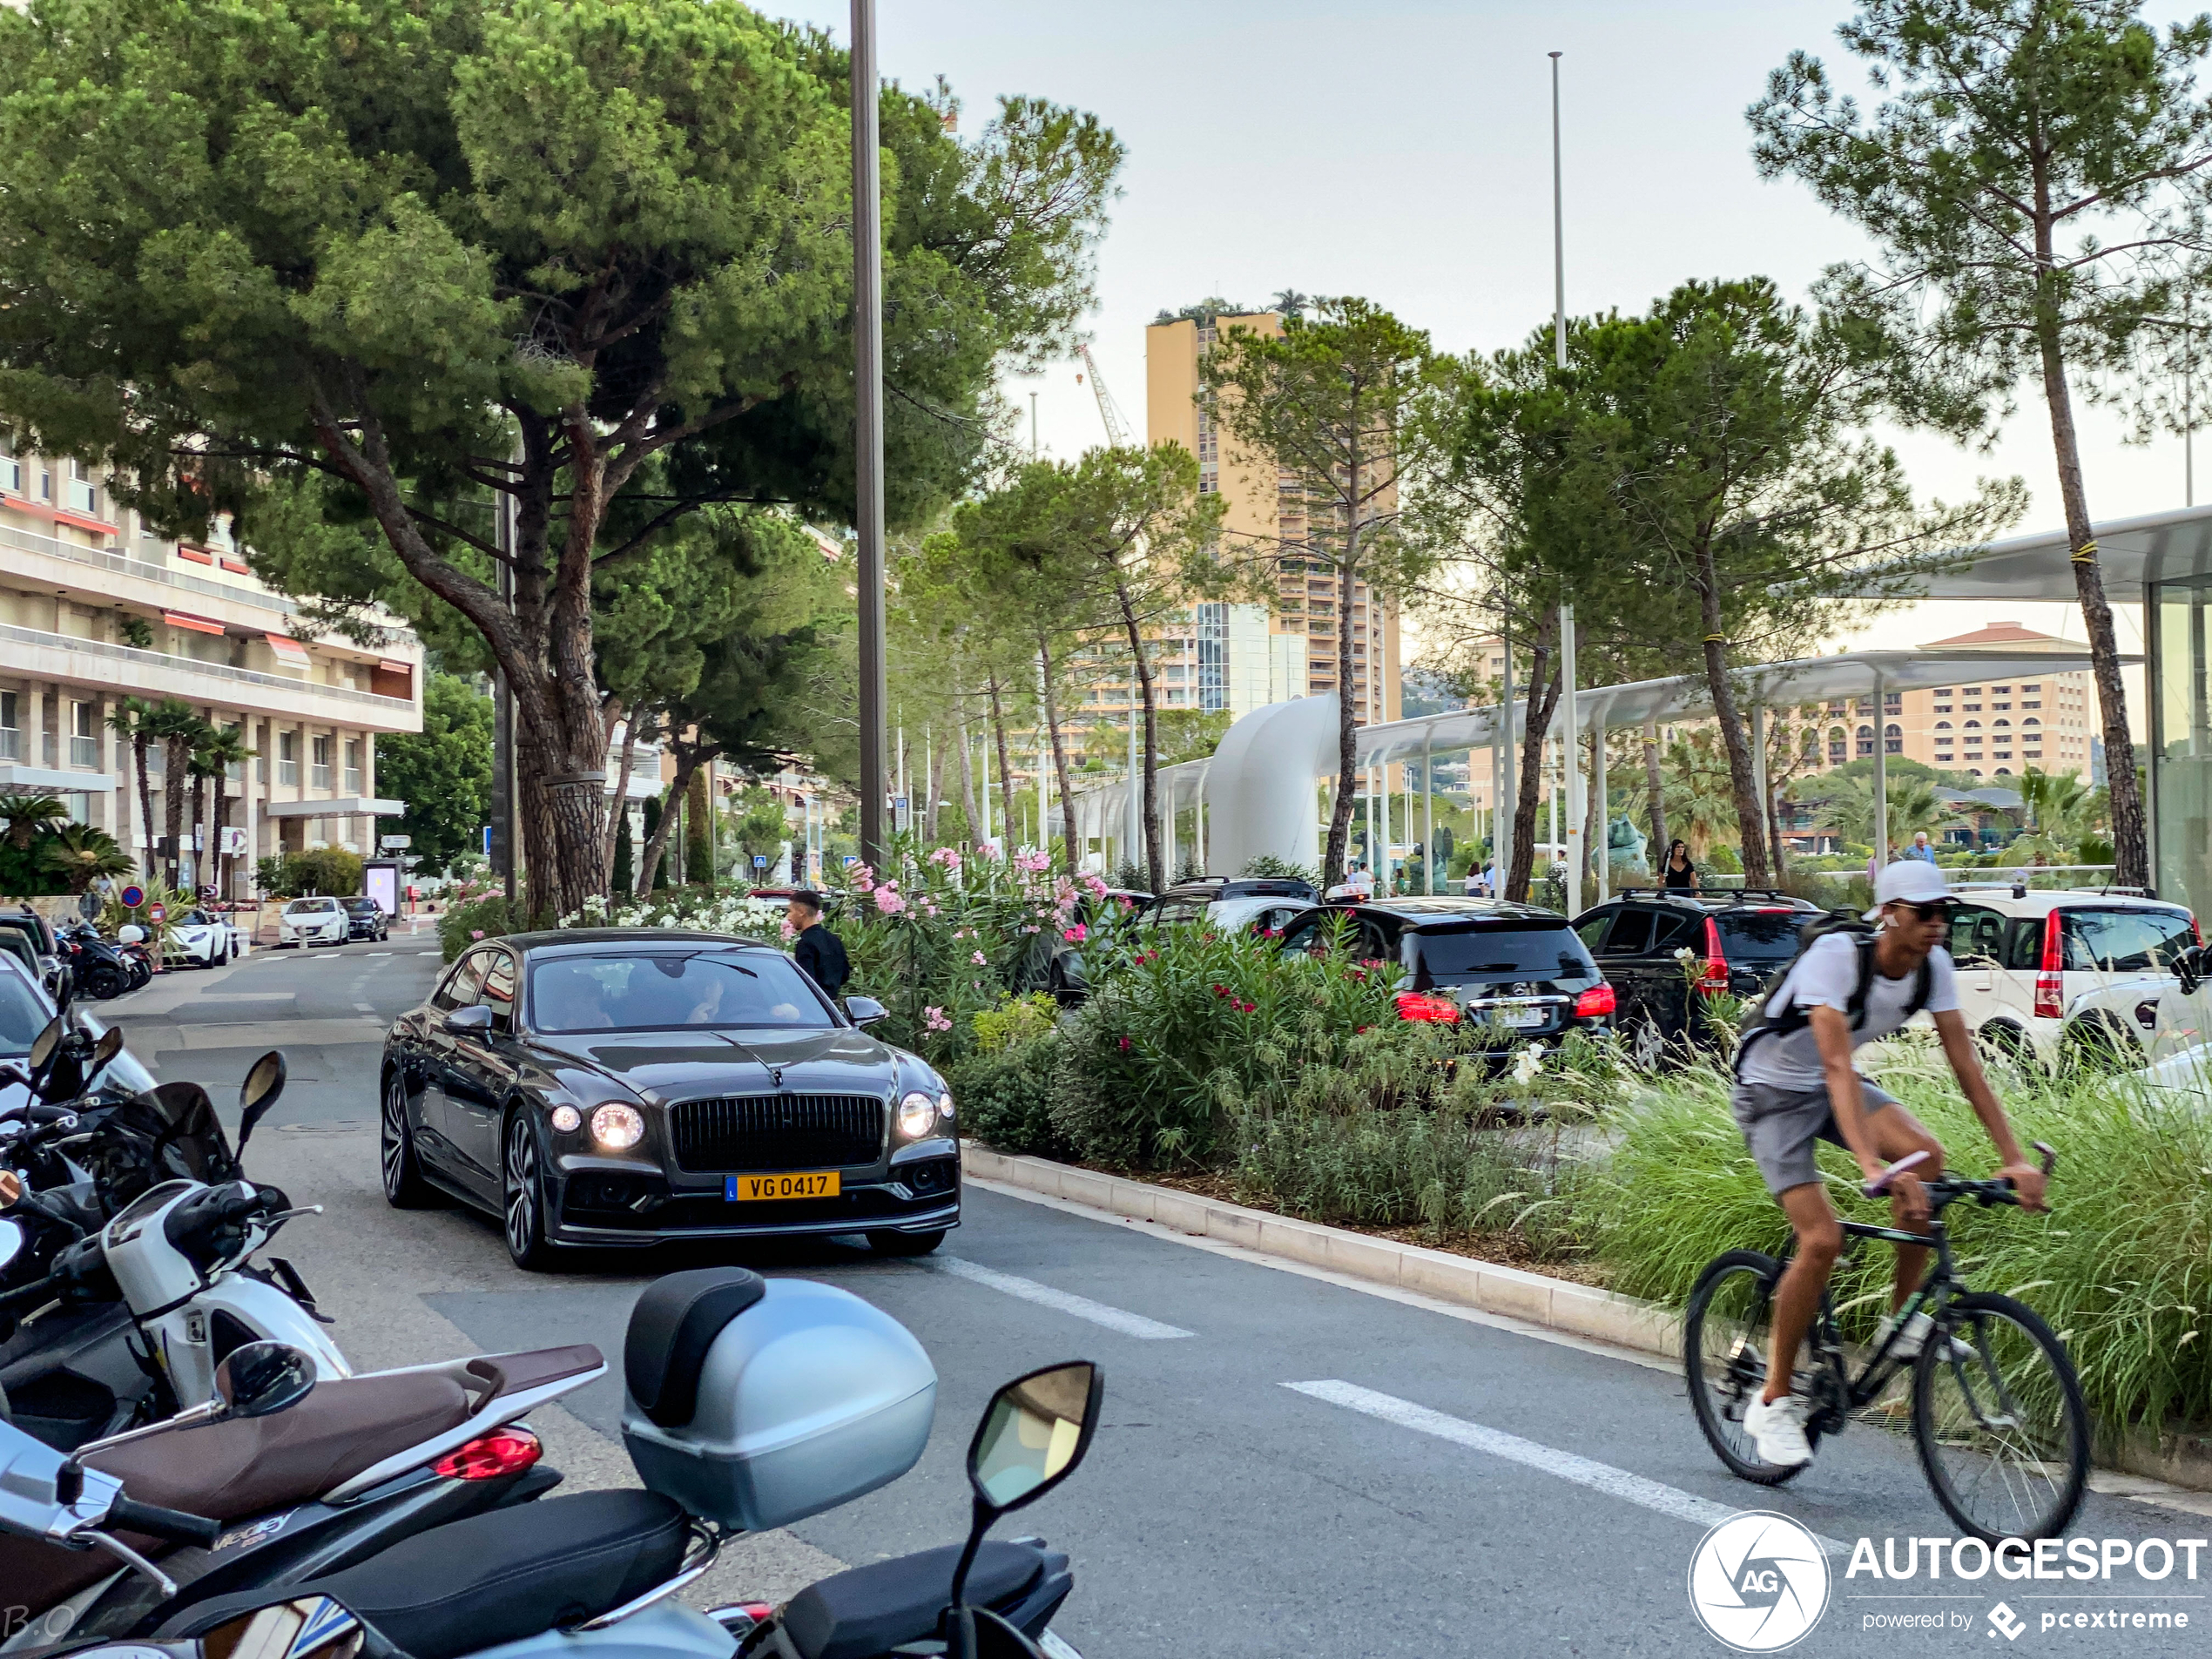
x=494 y=1578
x=868 y=1610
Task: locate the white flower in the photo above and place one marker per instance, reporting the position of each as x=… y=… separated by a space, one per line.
x=1685 y=955
x=1526 y=1065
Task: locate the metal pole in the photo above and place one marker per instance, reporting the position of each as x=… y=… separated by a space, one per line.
x=1881 y=781
x=868 y=423
x=1559 y=231
x=502 y=727
x=1758 y=780
x=1133 y=816
x=1428 y=812
x=1603 y=850
x=1570 y=754
x=1508 y=802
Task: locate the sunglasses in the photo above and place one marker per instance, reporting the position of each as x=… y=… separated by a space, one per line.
x=1940 y=911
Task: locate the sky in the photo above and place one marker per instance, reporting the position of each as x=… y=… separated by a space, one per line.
x=1402 y=151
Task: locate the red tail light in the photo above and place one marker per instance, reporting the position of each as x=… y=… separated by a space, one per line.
x=1428 y=1005
x=2050 y=990
x=1596 y=1002
x=1712 y=978
x=502 y=1452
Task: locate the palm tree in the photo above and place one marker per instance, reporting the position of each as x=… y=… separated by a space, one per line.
x=1700 y=800
x=2062 y=813
x=128 y=720
x=80 y=855
x=180 y=732
x=25 y=811
x=1291 y=302
x=224 y=748
x=1848 y=805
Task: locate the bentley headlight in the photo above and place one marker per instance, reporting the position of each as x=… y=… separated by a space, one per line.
x=617 y=1128
x=917 y=1116
x=567 y=1119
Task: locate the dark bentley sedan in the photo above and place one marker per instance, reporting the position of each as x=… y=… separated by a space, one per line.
x=633 y=1086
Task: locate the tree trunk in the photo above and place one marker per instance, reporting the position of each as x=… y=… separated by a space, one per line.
x=1340 y=841
x=139 y=757
x=1596 y=854
x=1751 y=816
x=2130 y=837
x=1059 y=757
x=689 y=758
x=936 y=782
x=222 y=827
x=1005 y=769
x=1154 y=849
x=698 y=831
x=1655 y=787
x=621 y=812
x=1771 y=815
x=176 y=783
x=967 y=786
x=1542 y=701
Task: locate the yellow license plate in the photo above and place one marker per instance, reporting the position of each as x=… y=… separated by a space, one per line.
x=810 y=1183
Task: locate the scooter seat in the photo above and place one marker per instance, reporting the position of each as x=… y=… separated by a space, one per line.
x=498 y=1577
x=866 y=1610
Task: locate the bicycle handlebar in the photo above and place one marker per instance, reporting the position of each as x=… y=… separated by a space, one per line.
x=1950 y=1187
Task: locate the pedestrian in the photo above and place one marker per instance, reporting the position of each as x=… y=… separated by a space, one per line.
x=818 y=950
x=1920 y=850
x=1677 y=873
x=1361 y=880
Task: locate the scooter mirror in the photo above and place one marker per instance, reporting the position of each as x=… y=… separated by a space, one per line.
x=104 y=1052
x=260 y=1379
x=264 y=1083
x=313 y=1627
x=1035 y=1433
x=11 y=1239
x=47 y=1044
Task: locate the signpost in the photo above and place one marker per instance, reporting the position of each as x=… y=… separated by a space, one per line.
x=133 y=896
x=395 y=843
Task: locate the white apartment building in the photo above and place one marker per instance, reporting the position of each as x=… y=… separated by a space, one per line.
x=80 y=579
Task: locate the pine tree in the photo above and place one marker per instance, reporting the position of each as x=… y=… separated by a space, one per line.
x=625 y=874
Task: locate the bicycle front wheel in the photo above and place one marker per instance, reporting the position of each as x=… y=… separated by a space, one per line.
x=1727 y=1332
x=1998 y=1416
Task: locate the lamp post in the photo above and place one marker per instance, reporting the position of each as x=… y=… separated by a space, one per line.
x=867 y=424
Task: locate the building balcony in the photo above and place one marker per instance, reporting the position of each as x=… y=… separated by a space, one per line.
x=124 y=669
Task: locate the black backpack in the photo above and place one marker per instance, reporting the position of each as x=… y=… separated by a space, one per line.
x=1861 y=934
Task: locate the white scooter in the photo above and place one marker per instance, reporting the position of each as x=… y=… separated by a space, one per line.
x=176 y=1262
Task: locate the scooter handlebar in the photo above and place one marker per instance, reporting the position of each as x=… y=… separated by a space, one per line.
x=128 y=1515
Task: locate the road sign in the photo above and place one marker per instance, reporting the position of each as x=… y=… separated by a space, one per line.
x=133 y=896
x=156 y=913
x=759 y=861
x=393 y=843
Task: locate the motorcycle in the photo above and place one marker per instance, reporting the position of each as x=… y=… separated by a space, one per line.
x=129 y=945
x=130 y=1271
x=97 y=969
x=598 y=1571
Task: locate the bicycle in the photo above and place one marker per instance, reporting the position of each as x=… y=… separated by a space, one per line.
x=1998 y=1419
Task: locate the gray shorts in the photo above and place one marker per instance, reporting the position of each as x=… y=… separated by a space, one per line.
x=1780 y=1125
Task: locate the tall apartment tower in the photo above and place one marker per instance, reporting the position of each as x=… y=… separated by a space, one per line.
x=1252 y=655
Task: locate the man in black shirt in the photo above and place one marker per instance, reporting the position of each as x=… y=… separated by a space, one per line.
x=818 y=950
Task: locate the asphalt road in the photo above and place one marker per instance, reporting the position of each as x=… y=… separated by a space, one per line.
x=1289 y=1464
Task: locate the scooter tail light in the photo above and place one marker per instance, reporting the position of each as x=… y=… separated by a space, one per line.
x=488 y=1457
x=1428 y=1007
x=2050 y=990
x=1596 y=1002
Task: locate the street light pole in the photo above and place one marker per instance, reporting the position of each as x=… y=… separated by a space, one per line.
x=1559 y=231
x=867 y=424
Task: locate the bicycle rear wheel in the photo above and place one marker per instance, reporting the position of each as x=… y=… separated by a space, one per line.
x=1998 y=1416
x=1727 y=1334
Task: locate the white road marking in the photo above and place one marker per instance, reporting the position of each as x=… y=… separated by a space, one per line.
x=366 y=1008
x=206 y=997
x=377 y=953
x=1566 y=1465
x=1113 y=1318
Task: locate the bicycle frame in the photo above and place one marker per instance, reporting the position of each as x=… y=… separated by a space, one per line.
x=1836 y=1391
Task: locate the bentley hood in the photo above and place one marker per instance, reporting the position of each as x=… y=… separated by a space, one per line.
x=668 y=1066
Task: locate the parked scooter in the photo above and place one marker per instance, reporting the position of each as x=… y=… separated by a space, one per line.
x=750 y=1405
x=97 y=969
x=131 y=946
x=133 y=1280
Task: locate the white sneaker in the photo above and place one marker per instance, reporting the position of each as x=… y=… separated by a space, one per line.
x=1779 y=1428
x=1914 y=1338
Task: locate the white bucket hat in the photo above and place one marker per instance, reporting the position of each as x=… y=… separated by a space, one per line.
x=1909 y=881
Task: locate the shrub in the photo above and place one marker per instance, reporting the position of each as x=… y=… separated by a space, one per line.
x=2119 y=1268
x=327 y=869
x=1266 y=865
x=1004 y=1094
x=1019 y=1019
x=463 y=924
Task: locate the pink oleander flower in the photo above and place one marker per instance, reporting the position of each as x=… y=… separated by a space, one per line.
x=1124 y=1042
x=935 y=1020
x=887 y=900
x=1076 y=934
x=979 y=959
x=790 y=931
x=862 y=877
x=1030 y=929
x=992 y=851
x=475 y=933
x=1096 y=885
x=948 y=857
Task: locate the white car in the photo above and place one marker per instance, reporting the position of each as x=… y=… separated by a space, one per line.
x=2049 y=975
x=203 y=939
x=312 y=922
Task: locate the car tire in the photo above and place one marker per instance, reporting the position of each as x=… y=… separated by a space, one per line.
x=404 y=1187
x=2005 y=1043
x=2097 y=1042
x=889 y=1244
x=521 y=1197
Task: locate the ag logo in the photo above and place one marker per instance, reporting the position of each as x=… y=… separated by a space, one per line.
x=1758 y=1581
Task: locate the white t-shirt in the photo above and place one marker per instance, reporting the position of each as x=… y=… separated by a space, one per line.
x=1825 y=977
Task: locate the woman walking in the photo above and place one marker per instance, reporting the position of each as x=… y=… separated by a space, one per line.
x=1678 y=874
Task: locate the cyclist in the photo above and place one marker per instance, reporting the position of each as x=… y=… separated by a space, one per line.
x=1796 y=1084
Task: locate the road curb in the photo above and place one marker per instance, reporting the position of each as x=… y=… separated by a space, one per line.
x=2177 y=1457
x=1555 y=1304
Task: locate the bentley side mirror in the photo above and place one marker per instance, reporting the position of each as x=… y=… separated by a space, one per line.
x=473 y=1021
x=865 y=1010
x=264 y=1083
x=260 y=1379
x=1033 y=1435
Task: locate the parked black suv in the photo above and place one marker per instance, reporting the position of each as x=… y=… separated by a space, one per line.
x=1521 y=968
x=1736 y=940
x=365 y=919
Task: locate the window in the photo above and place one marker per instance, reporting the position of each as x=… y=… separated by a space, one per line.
x=318 y=767
x=10 y=727
x=83 y=735
x=2124 y=941
x=1972 y=691
x=1866 y=740
x=1631 y=935
x=84 y=495
x=1943 y=726
x=1973 y=725
x=2031 y=720
x=657 y=992
x=498 y=993
x=1894 y=739
x=352 y=765
x=1591 y=928
x=462 y=984
x=2030 y=690
x=1994 y=724
x=288 y=760
x=10 y=470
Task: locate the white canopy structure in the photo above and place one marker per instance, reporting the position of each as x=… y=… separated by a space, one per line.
x=1258 y=794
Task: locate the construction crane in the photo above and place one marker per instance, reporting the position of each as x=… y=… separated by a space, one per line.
x=1108 y=411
